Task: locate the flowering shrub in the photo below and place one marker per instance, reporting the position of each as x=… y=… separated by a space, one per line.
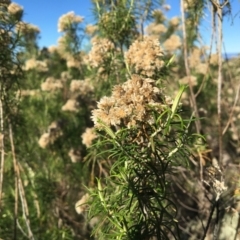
x=105 y=142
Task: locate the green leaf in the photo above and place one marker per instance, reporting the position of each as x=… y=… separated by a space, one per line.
x=177 y=100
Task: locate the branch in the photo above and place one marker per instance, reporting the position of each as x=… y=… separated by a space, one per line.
x=1 y=149
x=210 y=51
x=209 y=219
x=20 y=187
x=218 y=8
x=192 y=97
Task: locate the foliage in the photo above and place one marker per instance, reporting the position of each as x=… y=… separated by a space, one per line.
x=135 y=201
x=93 y=145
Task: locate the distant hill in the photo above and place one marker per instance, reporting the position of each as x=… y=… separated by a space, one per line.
x=230 y=55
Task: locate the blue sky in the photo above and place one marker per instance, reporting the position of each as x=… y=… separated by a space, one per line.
x=45 y=14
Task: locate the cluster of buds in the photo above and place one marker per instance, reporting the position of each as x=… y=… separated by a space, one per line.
x=53 y=133
x=215 y=179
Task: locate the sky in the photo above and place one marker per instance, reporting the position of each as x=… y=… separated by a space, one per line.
x=45 y=15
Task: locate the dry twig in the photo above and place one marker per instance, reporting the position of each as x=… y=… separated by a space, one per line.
x=218 y=11
x=187 y=68
x=19 y=186
x=1 y=149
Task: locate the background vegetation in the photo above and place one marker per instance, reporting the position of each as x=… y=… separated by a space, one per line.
x=137 y=138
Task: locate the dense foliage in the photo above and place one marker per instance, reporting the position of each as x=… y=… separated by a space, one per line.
x=137 y=138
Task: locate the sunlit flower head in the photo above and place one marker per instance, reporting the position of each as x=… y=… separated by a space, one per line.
x=72 y=105
x=155 y=29
x=26 y=28
x=44 y=140
x=73 y=62
x=88 y=136
x=66 y=20
x=35 y=64
x=52 y=49
x=195 y=57
x=15 y=10
x=174 y=21
x=188 y=80
x=65 y=76
x=27 y=93
x=201 y=68
x=82 y=205
x=53 y=133
x=91 y=29
x=62 y=46
x=100 y=52
x=75 y=155
x=83 y=87
x=129 y=103
x=172 y=43
x=167 y=7
x=145 y=56
x=51 y=84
